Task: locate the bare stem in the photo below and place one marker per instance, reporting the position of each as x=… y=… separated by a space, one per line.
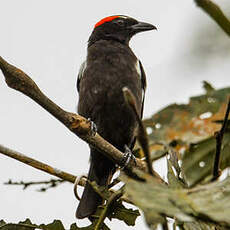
x=219 y=138
x=214 y=11
x=142 y=135
x=49 y=183
x=114 y=197
x=38 y=165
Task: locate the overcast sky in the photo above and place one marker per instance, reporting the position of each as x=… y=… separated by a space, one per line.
x=47 y=40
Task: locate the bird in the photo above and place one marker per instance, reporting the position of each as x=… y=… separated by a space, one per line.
x=110 y=66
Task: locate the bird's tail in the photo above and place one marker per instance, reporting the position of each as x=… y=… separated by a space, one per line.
x=101 y=170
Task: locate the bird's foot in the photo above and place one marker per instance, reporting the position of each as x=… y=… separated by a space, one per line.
x=128 y=155
x=93 y=127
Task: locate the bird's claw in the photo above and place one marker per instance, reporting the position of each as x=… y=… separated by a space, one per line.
x=76 y=183
x=93 y=127
x=128 y=155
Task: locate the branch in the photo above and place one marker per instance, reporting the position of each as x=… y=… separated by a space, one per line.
x=215 y=13
x=142 y=136
x=114 y=197
x=44 y=167
x=219 y=137
x=38 y=165
x=18 y=80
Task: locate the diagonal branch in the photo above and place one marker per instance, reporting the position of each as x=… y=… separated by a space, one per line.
x=18 y=80
x=45 y=168
x=214 y=11
x=142 y=136
x=114 y=197
x=38 y=165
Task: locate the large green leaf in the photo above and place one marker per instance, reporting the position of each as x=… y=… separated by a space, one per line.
x=198 y=160
x=208 y=203
x=189 y=129
x=190 y=122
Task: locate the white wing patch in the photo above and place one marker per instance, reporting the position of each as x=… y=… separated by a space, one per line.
x=143 y=96
x=138 y=68
x=80 y=74
x=82 y=69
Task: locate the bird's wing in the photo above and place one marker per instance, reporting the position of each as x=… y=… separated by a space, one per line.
x=144 y=84
x=141 y=72
x=80 y=74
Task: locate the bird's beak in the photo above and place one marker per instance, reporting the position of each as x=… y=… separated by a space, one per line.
x=142 y=26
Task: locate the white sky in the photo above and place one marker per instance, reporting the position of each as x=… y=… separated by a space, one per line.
x=47 y=40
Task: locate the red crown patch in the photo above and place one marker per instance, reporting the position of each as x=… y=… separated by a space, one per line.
x=107 y=19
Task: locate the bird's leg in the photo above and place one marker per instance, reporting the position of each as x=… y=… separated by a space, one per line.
x=93 y=127
x=128 y=155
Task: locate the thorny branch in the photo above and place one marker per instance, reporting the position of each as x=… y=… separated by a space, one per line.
x=219 y=137
x=215 y=13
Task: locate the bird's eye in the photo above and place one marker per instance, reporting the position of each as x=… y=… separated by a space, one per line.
x=119 y=22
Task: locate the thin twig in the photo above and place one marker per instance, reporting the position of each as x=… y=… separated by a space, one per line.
x=37 y=164
x=18 y=80
x=214 y=11
x=142 y=135
x=219 y=137
x=115 y=196
x=49 y=183
x=45 y=168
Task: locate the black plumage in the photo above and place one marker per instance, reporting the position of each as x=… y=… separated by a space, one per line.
x=110 y=66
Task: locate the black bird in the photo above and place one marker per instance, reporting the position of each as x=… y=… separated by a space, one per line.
x=109 y=67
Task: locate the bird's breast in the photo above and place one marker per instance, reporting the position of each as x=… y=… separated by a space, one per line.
x=101 y=97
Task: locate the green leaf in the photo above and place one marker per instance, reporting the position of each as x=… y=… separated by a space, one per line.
x=24 y=225
x=188 y=123
x=189 y=130
x=207 y=203
x=90 y=227
x=208 y=87
x=2 y=222
x=199 y=226
x=117 y=209
x=56 y=225
x=198 y=160
x=120 y=212
x=156 y=200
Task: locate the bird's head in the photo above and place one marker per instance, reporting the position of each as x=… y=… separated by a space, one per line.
x=119 y=28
